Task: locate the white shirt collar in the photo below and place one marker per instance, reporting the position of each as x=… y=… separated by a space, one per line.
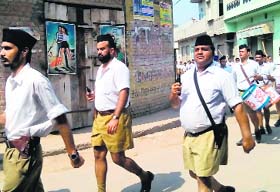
x=209 y=69
x=20 y=76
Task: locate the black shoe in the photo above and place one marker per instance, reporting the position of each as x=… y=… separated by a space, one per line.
x=262 y=131
x=277 y=123
x=227 y=189
x=258 y=136
x=239 y=143
x=268 y=129
x=146 y=185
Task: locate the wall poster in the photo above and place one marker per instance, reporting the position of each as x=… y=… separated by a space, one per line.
x=143 y=9
x=165 y=14
x=61 y=48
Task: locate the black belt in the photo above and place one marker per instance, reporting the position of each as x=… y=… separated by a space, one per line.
x=110 y=112
x=107 y=112
x=34 y=141
x=199 y=133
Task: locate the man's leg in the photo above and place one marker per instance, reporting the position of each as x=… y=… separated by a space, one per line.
x=100 y=153
x=206 y=184
x=131 y=166
x=277 y=123
x=266 y=113
x=260 y=120
x=255 y=121
x=209 y=184
x=201 y=186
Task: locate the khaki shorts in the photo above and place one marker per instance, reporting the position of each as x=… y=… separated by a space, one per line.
x=201 y=156
x=118 y=142
x=17 y=177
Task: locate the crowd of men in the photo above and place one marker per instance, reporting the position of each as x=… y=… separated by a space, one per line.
x=265 y=67
x=202 y=90
x=206 y=87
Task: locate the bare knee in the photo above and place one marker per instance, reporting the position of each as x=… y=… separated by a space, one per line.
x=100 y=153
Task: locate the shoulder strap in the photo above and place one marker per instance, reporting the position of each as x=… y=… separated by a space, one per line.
x=202 y=100
x=243 y=71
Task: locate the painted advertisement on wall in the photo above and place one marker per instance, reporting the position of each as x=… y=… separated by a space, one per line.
x=165 y=14
x=143 y=10
x=118 y=33
x=61 y=48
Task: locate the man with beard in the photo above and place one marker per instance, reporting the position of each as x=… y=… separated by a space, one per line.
x=205 y=144
x=32 y=109
x=112 y=128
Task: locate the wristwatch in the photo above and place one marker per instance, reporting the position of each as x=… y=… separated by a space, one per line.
x=115 y=117
x=75 y=157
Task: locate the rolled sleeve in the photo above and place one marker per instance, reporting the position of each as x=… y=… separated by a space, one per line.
x=57 y=111
x=49 y=101
x=234 y=101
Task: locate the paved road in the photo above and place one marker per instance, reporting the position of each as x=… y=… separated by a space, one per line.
x=161 y=153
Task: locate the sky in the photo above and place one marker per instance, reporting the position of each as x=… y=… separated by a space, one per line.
x=183 y=11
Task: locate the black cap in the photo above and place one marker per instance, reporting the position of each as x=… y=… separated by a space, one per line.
x=204 y=40
x=222 y=58
x=260 y=52
x=19 y=37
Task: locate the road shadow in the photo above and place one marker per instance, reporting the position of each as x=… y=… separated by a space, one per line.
x=166 y=182
x=273 y=138
x=61 y=190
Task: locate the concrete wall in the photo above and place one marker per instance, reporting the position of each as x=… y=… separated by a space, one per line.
x=149 y=51
x=69 y=88
x=234 y=8
x=250 y=22
x=151 y=62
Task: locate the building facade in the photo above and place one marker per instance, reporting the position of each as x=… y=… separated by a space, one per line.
x=143 y=31
x=231 y=23
x=211 y=22
x=255 y=23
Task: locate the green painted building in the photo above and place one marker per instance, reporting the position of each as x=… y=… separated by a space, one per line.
x=256 y=23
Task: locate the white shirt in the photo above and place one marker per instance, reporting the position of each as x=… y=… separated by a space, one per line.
x=109 y=82
x=217 y=88
x=190 y=66
x=264 y=70
x=184 y=68
x=216 y=63
x=31 y=104
x=276 y=75
x=251 y=68
x=272 y=65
